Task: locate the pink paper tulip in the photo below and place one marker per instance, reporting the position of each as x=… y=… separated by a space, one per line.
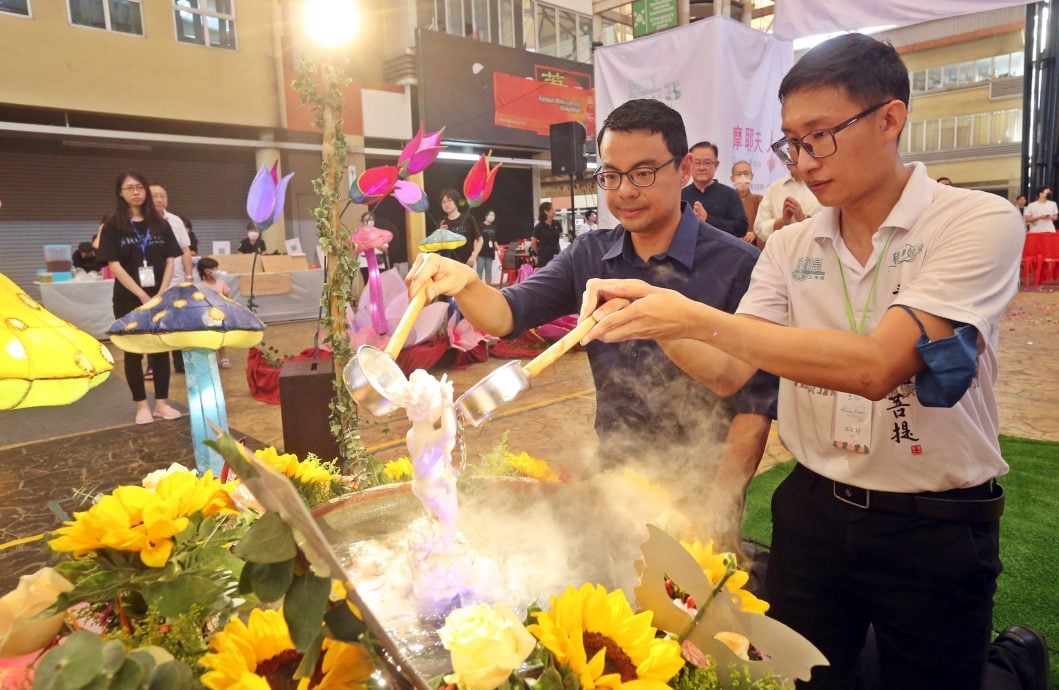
x=478 y=184
x=411 y=196
x=420 y=152
x=373 y=184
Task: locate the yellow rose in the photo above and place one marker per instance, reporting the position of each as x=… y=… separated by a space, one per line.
x=486 y=644
x=35 y=592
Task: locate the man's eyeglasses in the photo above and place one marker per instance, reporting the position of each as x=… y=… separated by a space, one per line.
x=702 y=164
x=819 y=143
x=130 y=188
x=609 y=180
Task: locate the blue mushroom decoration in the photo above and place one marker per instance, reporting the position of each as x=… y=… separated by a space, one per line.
x=199 y=322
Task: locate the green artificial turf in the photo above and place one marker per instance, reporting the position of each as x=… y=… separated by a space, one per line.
x=1027 y=590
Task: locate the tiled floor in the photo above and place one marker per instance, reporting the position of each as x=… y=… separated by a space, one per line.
x=552 y=421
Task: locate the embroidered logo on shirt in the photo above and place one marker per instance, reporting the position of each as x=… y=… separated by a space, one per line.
x=906 y=254
x=810 y=268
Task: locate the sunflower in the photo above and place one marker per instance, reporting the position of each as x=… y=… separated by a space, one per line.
x=308 y=471
x=531 y=467
x=398 y=469
x=605 y=644
x=136 y=519
x=259 y=655
x=715 y=566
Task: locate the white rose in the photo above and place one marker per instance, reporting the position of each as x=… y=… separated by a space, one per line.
x=486 y=644
x=150 y=482
x=35 y=592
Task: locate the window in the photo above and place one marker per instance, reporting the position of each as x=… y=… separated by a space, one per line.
x=1016 y=64
x=985 y=69
x=481 y=20
x=506 y=22
x=584 y=39
x=529 y=31
x=919 y=81
x=949 y=78
x=15 y=7
x=205 y=22
x=113 y=15
x=567 y=35
x=546 y=33
x=966 y=73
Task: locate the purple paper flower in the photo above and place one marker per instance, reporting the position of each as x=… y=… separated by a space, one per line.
x=264 y=202
x=411 y=196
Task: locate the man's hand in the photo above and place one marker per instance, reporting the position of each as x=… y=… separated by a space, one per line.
x=448 y=277
x=792 y=210
x=699 y=211
x=750 y=237
x=654 y=313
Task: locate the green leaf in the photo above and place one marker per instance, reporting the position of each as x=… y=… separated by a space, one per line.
x=343 y=625
x=174 y=597
x=270 y=581
x=72 y=665
x=145 y=660
x=113 y=656
x=269 y=540
x=129 y=677
x=549 y=679
x=303 y=608
x=172 y=675
x=228 y=448
x=307 y=666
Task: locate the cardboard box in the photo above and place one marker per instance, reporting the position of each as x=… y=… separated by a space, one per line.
x=239 y=263
x=283 y=262
x=265 y=284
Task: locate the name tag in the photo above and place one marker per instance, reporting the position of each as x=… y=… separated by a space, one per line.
x=146 y=276
x=851 y=422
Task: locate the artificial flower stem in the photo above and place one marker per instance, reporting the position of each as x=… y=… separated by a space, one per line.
x=701 y=611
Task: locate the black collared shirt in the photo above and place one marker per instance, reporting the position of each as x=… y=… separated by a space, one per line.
x=724 y=208
x=639 y=391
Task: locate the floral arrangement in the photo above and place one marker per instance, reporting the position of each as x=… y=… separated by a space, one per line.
x=184 y=582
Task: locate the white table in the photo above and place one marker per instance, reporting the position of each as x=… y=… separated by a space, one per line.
x=88 y=304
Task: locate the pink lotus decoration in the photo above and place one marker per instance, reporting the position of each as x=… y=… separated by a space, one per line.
x=478 y=185
x=463 y=335
x=264 y=201
x=365 y=241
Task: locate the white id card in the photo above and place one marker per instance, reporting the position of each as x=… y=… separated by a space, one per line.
x=851 y=422
x=146 y=276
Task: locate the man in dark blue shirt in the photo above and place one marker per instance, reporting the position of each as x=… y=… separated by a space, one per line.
x=644 y=403
x=716 y=203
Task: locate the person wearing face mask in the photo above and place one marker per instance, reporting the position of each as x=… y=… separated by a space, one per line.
x=252 y=243
x=382 y=253
x=209 y=278
x=484 y=265
x=742 y=176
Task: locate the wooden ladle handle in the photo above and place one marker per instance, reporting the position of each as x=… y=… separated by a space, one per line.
x=559 y=348
x=404 y=326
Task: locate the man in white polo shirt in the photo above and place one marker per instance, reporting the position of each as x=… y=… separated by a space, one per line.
x=786 y=201
x=891 y=516
x=1041 y=214
x=182 y=268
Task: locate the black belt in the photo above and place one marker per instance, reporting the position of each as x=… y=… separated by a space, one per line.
x=982 y=503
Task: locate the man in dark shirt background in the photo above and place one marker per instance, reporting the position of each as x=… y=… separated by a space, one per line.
x=713 y=202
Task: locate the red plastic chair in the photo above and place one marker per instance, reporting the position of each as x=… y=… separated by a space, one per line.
x=1048 y=260
x=1031 y=259
x=508 y=269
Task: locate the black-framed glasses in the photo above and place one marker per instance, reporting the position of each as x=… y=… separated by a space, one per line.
x=819 y=143
x=640 y=176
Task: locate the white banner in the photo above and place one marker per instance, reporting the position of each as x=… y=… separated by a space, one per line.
x=798 y=18
x=721 y=76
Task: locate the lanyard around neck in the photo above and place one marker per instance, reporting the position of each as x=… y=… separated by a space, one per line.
x=853 y=324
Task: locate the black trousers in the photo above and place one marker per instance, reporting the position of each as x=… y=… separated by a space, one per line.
x=159 y=364
x=925 y=585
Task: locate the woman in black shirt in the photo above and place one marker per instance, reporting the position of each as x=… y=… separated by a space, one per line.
x=484 y=265
x=545 y=240
x=139 y=247
x=462 y=223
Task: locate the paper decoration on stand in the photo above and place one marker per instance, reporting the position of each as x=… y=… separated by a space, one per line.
x=478 y=185
x=293 y=246
x=463 y=335
x=222 y=248
x=442 y=239
x=264 y=201
x=395 y=297
x=785 y=652
x=365 y=241
x=43 y=359
x=198 y=322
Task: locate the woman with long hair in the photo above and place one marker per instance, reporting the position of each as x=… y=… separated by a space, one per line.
x=139 y=247
x=463 y=223
x=546 y=233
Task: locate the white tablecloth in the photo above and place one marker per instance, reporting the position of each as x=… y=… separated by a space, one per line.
x=88 y=304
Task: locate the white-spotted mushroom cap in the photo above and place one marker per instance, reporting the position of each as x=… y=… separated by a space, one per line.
x=185 y=317
x=43 y=359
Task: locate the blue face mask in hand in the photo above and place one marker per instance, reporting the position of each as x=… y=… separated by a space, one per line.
x=951 y=364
